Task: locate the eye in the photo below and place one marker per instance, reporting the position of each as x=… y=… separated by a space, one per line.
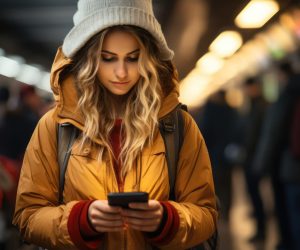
x=107 y=59
x=133 y=59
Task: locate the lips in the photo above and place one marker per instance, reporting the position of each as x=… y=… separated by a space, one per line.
x=121 y=83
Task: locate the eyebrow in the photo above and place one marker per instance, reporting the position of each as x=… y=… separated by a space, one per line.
x=109 y=52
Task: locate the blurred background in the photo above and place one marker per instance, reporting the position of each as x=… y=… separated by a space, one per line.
x=238 y=63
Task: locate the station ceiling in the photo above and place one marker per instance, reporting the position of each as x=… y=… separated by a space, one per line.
x=34 y=29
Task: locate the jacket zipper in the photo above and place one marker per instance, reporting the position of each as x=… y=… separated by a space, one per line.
x=123 y=233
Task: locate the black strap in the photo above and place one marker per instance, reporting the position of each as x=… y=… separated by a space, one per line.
x=171 y=129
x=67 y=134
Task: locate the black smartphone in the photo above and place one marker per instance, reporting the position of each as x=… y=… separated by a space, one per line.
x=123 y=199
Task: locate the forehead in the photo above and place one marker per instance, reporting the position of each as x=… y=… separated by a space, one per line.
x=119 y=42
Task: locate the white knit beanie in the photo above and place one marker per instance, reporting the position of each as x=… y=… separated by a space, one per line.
x=93 y=16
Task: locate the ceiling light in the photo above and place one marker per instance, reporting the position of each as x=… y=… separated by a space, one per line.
x=9 y=67
x=209 y=64
x=256 y=13
x=193 y=88
x=29 y=74
x=45 y=82
x=226 y=44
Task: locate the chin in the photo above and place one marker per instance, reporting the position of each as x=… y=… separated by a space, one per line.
x=119 y=93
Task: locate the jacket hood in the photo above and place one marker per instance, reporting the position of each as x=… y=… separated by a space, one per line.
x=66 y=96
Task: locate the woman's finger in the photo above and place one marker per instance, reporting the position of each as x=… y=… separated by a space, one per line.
x=142 y=214
x=150 y=205
x=96 y=214
x=103 y=206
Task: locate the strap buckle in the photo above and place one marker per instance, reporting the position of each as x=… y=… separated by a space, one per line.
x=169 y=125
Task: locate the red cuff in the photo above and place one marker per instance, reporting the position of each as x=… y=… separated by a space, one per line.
x=81 y=233
x=86 y=229
x=171 y=225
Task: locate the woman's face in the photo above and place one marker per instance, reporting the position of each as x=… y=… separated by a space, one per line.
x=118 y=68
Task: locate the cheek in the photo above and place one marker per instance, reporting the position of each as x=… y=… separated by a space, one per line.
x=134 y=72
x=102 y=73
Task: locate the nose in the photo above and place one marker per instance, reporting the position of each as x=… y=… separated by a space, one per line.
x=121 y=70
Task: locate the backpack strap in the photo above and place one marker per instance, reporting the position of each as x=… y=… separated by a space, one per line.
x=171 y=128
x=66 y=135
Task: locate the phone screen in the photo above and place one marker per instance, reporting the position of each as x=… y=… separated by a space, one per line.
x=123 y=199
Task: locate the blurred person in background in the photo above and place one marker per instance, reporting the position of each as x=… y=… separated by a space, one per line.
x=16 y=128
x=290 y=172
x=31 y=108
x=4 y=97
x=278 y=156
x=9 y=173
x=253 y=120
x=31 y=103
x=5 y=180
x=18 y=124
x=219 y=123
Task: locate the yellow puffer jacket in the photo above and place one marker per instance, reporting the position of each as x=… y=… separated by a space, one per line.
x=43 y=221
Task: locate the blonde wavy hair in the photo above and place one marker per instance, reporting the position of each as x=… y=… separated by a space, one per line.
x=142 y=103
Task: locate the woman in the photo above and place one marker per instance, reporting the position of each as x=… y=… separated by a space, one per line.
x=113 y=80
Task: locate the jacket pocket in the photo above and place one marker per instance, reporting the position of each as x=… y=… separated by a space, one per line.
x=85 y=151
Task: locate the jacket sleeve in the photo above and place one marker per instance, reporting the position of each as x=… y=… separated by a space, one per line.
x=194 y=190
x=39 y=217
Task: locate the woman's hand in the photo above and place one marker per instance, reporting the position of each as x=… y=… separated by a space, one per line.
x=144 y=217
x=105 y=218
